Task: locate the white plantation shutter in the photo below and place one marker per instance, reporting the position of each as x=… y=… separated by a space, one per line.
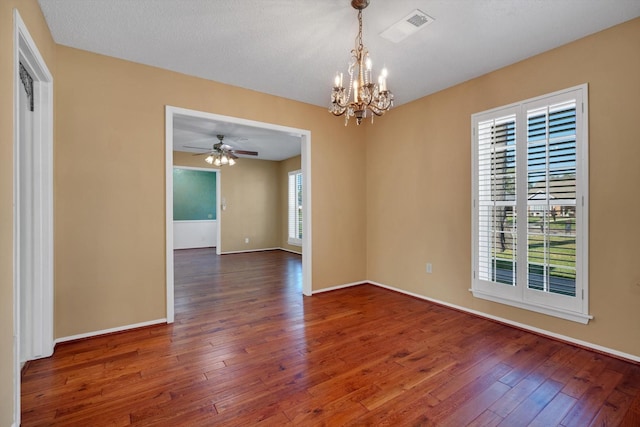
x=295 y=208
x=530 y=205
x=497 y=199
x=551 y=180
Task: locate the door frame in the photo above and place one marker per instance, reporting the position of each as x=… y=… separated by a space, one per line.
x=41 y=175
x=305 y=138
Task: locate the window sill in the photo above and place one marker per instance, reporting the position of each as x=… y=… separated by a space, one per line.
x=550 y=311
x=295 y=242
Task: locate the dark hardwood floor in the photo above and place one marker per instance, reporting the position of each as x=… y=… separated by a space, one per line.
x=247 y=348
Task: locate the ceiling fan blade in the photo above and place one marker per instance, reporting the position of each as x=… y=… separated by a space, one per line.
x=201 y=154
x=196 y=148
x=245 y=152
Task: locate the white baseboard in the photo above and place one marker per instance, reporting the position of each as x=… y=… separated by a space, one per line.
x=249 y=250
x=110 y=331
x=289 y=250
x=519 y=325
x=346 y=285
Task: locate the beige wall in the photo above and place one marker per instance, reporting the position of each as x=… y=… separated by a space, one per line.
x=33 y=19
x=419 y=200
x=286 y=166
x=109 y=171
x=251 y=192
x=252 y=197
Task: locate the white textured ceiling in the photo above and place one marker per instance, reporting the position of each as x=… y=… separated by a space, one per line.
x=189 y=132
x=293 y=48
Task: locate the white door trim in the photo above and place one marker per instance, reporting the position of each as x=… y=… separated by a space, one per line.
x=218 y=213
x=305 y=136
x=41 y=174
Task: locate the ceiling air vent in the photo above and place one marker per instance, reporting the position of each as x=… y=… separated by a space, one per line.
x=407 y=26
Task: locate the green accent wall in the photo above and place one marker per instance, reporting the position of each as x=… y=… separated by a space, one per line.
x=194 y=195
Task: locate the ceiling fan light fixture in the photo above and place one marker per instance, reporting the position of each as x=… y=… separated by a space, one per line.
x=222 y=154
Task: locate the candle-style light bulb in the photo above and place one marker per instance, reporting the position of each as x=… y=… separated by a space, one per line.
x=383 y=79
x=367 y=70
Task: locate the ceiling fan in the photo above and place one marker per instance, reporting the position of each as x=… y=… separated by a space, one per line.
x=222 y=154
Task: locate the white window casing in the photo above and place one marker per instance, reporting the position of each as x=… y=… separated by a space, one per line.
x=530 y=204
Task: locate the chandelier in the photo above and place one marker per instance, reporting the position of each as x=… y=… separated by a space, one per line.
x=367 y=95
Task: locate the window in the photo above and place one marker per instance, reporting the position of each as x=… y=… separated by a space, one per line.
x=295 y=208
x=530 y=204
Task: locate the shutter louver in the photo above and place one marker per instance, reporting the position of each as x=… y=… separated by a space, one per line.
x=551 y=205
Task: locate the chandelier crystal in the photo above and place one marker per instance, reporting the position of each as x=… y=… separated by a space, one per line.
x=367 y=95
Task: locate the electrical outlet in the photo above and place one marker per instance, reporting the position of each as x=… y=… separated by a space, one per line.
x=246 y=240
x=429 y=269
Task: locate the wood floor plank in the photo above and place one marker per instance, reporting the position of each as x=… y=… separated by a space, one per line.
x=594 y=398
x=632 y=417
x=585 y=377
x=447 y=408
x=554 y=412
x=527 y=411
x=475 y=405
x=516 y=395
x=486 y=419
x=613 y=411
x=248 y=349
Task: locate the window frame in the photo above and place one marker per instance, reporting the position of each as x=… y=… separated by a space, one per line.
x=574 y=308
x=294 y=225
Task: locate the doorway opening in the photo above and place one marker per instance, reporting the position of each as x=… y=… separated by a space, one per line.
x=304 y=137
